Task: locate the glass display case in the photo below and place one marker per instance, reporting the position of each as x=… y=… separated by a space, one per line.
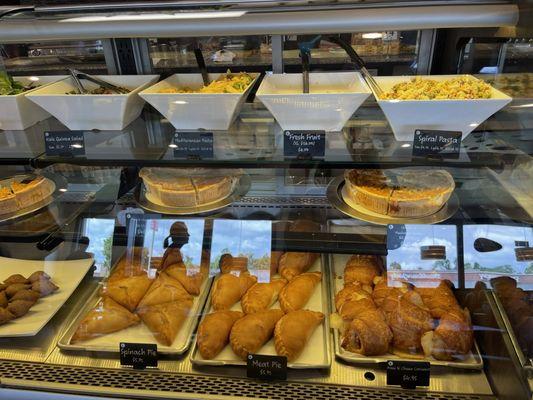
x=238 y=205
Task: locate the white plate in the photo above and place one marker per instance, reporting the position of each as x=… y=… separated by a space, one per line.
x=316 y=353
x=138 y=333
x=65 y=274
x=333 y=98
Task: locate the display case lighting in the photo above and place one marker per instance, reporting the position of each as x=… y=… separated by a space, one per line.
x=373 y=35
x=156 y=16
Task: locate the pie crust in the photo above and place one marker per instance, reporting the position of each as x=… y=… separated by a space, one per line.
x=19 y=195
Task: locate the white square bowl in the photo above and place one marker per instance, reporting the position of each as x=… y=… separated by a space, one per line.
x=94 y=111
x=196 y=110
x=17 y=112
x=405 y=116
x=333 y=98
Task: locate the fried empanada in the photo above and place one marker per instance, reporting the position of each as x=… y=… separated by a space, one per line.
x=128 y=292
x=296 y=294
x=190 y=280
x=261 y=296
x=292 y=263
x=44 y=287
x=164 y=290
x=15 y=287
x=108 y=316
x=213 y=332
x=17 y=278
x=252 y=331
x=5 y=316
x=165 y=320
x=37 y=276
x=3 y=299
x=28 y=295
x=229 y=288
x=19 y=307
x=293 y=331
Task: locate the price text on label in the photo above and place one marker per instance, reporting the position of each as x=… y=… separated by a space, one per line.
x=408 y=374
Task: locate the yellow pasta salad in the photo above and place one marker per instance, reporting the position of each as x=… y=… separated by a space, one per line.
x=227 y=83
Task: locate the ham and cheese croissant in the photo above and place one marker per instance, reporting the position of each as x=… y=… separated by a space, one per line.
x=367 y=333
x=292 y=264
x=440 y=299
x=362 y=269
x=351 y=300
x=293 y=331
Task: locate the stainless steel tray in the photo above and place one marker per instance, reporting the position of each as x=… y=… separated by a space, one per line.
x=23 y=212
x=138 y=333
x=526 y=362
x=474 y=360
x=241 y=188
x=196 y=358
x=334 y=195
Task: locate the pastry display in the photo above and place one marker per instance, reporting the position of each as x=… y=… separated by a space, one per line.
x=262 y=295
x=229 y=288
x=165 y=319
x=22 y=193
x=401 y=192
x=190 y=280
x=128 y=291
x=214 y=330
x=296 y=294
x=252 y=331
x=187 y=187
x=293 y=331
x=225 y=83
x=164 y=290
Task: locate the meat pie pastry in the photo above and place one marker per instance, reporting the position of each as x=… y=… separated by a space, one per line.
x=190 y=280
x=368 y=333
x=293 y=331
x=213 y=332
x=165 y=320
x=108 y=316
x=292 y=264
x=252 y=331
x=228 y=263
x=439 y=299
x=358 y=302
x=128 y=292
x=296 y=294
x=228 y=289
x=261 y=296
x=164 y=290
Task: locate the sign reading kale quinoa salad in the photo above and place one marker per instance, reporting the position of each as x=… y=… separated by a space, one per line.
x=64 y=143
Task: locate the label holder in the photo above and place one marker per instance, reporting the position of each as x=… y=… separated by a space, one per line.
x=193 y=145
x=138 y=355
x=408 y=374
x=304 y=145
x=267 y=368
x=436 y=144
x=64 y=143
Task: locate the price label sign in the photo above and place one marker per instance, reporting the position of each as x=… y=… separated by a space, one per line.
x=64 y=143
x=138 y=355
x=408 y=374
x=437 y=144
x=266 y=367
x=304 y=143
x=395 y=236
x=195 y=144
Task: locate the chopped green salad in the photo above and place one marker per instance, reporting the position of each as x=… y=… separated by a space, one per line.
x=8 y=86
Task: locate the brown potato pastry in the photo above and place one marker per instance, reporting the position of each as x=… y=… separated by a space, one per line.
x=44 y=287
x=17 y=278
x=5 y=316
x=28 y=295
x=19 y=307
x=37 y=276
x=3 y=299
x=15 y=287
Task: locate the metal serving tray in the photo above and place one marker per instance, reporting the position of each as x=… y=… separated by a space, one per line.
x=318 y=302
x=335 y=196
x=137 y=334
x=335 y=266
x=241 y=188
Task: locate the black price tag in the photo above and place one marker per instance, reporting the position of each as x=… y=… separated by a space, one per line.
x=266 y=367
x=65 y=143
x=408 y=374
x=306 y=144
x=138 y=355
x=437 y=144
x=395 y=236
x=195 y=144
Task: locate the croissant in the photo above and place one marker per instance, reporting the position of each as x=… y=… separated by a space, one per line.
x=382 y=290
x=362 y=269
x=252 y=331
x=261 y=296
x=439 y=299
x=164 y=290
x=297 y=292
x=293 y=331
x=368 y=333
x=165 y=320
x=213 y=332
x=351 y=300
x=228 y=263
x=129 y=291
x=108 y=316
x=453 y=338
x=190 y=280
x=292 y=264
x=228 y=289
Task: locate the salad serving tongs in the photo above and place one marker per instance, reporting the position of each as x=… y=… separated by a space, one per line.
x=77 y=75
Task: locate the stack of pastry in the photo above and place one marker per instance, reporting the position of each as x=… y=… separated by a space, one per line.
x=18 y=294
x=130 y=296
x=249 y=327
x=411 y=322
x=519 y=309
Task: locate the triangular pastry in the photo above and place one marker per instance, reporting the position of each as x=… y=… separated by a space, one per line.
x=261 y=296
x=108 y=316
x=296 y=294
x=293 y=331
x=229 y=288
x=165 y=320
x=252 y=331
x=164 y=290
x=292 y=263
x=128 y=292
x=129 y=265
x=190 y=280
x=171 y=256
x=213 y=332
